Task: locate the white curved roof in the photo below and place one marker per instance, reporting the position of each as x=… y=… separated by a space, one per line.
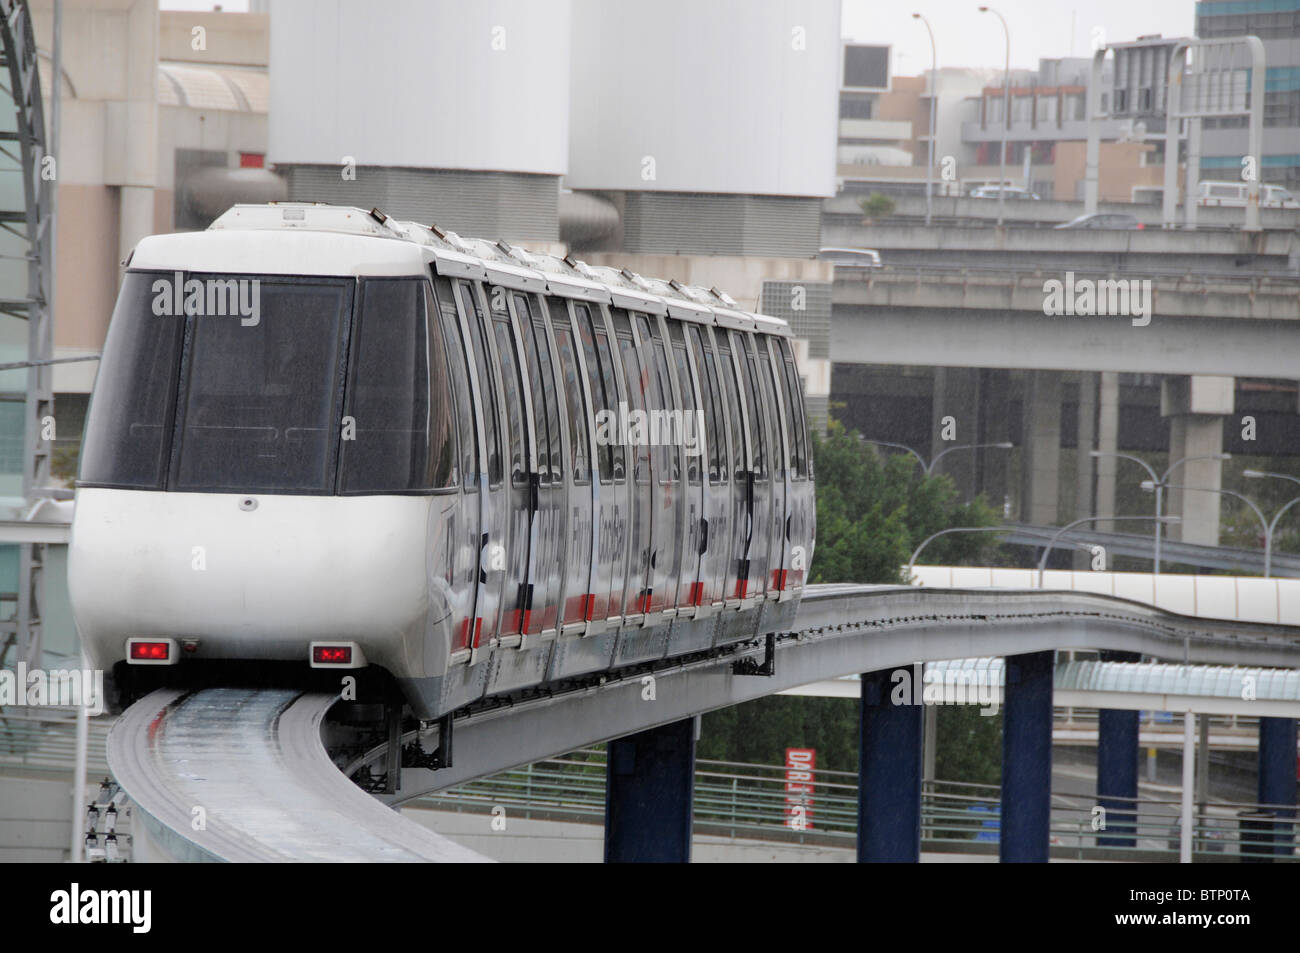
x=314 y=239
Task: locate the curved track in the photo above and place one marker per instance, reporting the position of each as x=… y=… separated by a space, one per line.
x=251 y=765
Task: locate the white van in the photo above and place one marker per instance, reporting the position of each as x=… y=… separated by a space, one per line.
x=1233 y=195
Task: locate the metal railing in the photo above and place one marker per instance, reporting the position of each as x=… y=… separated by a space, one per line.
x=750 y=801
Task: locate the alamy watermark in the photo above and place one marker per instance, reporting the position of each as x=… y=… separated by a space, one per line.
x=1124 y=297
x=215 y=297
x=948 y=686
x=76 y=688
x=654 y=428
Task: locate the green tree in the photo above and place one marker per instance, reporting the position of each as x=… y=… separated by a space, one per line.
x=877 y=205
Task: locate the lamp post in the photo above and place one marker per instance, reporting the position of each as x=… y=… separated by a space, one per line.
x=1159 y=482
x=1259 y=514
x=944 y=532
x=929 y=171
x=1006 y=111
x=929 y=467
x=1047 y=551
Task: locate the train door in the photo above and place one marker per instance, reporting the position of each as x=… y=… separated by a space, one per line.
x=546 y=552
x=715 y=531
x=462 y=530
x=800 y=501
x=760 y=465
x=636 y=599
x=609 y=560
x=492 y=495
x=743 y=450
x=690 y=583
x=778 y=468
x=519 y=465
x=578 y=590
x=665 y=455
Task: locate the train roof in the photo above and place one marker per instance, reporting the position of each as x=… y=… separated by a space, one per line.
x=351 y=251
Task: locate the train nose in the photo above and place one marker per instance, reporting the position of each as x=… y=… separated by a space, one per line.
x=250 y=576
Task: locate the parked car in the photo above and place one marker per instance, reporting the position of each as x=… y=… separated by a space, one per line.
x=851 y=257
x=1233 y=195
x=1103 y=220
x=1011 y=193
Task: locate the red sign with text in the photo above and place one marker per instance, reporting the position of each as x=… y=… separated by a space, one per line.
x=800 y=764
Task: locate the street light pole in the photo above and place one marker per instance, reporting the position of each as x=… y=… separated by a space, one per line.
x=929 y=171
x=928 y=468
x=1159 y=482
x=944 y=532
x=1047 y=551
x=1006 y=111
x=1259 y=514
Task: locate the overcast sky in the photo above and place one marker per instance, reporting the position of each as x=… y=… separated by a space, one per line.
x=964 y=36
x=1039 y=28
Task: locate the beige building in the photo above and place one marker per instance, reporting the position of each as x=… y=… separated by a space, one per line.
x=159 y=113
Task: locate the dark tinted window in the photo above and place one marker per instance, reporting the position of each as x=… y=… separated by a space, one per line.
x=600 y=400
x=706 y=370
x=573 y=400
x=129 y=424
x=510 y=381
x=608 y=376
x=753 y=402
x=546 y=420
x=459 y=382
x=728 y=371
x=794 y=401
x=260 y=400
x=692 y=419
x=399 y=414
x=486 y=382
x=637 y=384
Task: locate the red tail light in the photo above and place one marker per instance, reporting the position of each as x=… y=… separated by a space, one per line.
x=151 y=651
x=332 y=655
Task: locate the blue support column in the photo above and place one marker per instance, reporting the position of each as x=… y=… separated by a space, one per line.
x=649 y=789
x=1117 y=767
x=1277 y=777
x=889 y=770
x=1027 y=758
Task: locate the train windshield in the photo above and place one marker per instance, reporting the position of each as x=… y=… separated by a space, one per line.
x=236 y=384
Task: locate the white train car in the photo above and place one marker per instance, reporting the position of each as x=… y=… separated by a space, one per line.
x=322 y=439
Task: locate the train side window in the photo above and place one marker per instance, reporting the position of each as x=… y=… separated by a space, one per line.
x=474 y=317
x=637 y=384
x=754 y=401
x=602 y=401
x=459 y=383
x=735 y=421
x=794 y=401
x=659 y=421
x=511 y=382
x=608 y=376
x=577 y=409
x=693 y=425
x=396 y=424
x=706 y=371
x=540 y=389
x=780 y=413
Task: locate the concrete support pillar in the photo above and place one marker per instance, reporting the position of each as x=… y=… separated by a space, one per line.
x=1107 y=442
x=956 y=395
x=889 y=773
x=995 y=427
x=1040 y=457
x=1117 y=767
x=1085 y=434
x=1027 y=758
x=1277 y=777
x=649 y=789
x=1196 y=407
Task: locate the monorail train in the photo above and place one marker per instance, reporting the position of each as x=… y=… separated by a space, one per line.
x=324 y=437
